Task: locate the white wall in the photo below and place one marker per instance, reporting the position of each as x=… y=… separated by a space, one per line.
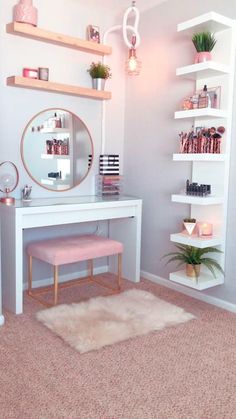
x=68 y=66
x=151 y=135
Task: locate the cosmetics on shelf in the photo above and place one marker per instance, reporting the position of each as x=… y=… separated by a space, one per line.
x=194 y=189
x=58 y=147
x=204 y=98
x=202 y=140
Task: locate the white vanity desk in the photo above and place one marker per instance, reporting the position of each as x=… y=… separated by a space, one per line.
x=123 y=212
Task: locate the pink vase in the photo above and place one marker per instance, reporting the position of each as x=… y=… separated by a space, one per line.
x=25 y=12
x=201 y=57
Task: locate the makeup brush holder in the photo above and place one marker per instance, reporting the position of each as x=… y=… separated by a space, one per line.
x=25 y=12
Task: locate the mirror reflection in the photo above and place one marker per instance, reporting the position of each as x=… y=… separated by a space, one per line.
x=56 y=149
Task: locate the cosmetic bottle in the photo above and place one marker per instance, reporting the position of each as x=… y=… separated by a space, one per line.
x=207 y=96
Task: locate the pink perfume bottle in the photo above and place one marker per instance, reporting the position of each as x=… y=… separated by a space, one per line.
x=25 y=12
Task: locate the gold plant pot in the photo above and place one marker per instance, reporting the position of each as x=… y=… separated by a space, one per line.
x=193 y=271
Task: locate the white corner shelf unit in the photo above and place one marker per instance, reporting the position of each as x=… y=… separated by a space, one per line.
x=209 y=168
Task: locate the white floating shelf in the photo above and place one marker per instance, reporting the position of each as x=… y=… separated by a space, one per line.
x=199 y=157
x=55 y=156
x=203 y=70
x=213 y=22
x=55 y=182
x=194 y=240
x=204 y=281
x=201 y=113
x=197 y=200
x=54 y=131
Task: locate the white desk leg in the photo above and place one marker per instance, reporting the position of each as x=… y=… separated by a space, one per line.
x=12 y=248
x=127 y=231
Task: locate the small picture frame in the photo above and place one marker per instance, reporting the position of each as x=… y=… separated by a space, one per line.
x=93 y=33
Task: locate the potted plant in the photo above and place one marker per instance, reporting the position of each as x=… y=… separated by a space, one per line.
x=204 y=43
x=99 y=73
x=189 y=224
x=193 y=258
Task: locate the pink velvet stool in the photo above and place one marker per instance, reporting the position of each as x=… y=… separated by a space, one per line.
x=64 y=250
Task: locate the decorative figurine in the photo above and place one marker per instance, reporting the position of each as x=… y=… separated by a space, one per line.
x=26 y=191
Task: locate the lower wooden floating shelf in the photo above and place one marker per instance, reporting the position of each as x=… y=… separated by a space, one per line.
x=48 y=86
x=196 y=241
x=204 y=281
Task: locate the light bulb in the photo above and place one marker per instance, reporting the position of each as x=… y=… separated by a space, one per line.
x=7 y=182
x=133 y=65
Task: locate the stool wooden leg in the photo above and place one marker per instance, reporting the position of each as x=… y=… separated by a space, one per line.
x=90 y=268
x=119 y=269
x=55 y=284
x=29 y=274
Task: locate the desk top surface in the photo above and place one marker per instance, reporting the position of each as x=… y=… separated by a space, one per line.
x=91 y=199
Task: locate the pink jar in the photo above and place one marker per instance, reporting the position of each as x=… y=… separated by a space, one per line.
x=25 y=12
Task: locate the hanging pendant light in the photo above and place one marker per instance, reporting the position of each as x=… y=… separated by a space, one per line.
x=133 y=65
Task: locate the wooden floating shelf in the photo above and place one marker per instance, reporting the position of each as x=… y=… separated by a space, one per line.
x=194 y=240
x=205 y=280
x=48 y=86
x=203 y=70
x=212 y=22
x=199 y=157
x=197 y=200
x=29 y=31
x=201 y=113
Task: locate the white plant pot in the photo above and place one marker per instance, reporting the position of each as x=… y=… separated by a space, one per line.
x=189 y=227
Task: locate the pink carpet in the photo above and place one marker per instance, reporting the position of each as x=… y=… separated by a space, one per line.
x=182 y=372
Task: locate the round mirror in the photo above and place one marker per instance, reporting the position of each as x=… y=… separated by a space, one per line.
x=57 y=149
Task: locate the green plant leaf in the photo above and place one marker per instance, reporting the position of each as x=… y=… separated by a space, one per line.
x=204 y=41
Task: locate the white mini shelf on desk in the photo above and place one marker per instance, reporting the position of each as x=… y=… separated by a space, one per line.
x=205 y=280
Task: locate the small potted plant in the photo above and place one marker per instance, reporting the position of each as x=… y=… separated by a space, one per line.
x=204 y=43
x=193 y=258
x=99 y=73
x=189 y=224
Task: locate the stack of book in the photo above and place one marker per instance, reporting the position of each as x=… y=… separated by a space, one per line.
x=109 y=164
x=109 y=184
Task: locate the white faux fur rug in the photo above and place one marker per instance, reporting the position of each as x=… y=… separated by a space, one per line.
x=103 y=321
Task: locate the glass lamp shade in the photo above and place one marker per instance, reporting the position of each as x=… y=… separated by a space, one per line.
x=133 y=65
x=9 y=178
